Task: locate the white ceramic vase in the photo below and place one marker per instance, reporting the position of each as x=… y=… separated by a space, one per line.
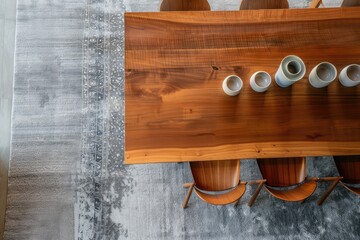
x=350 y=75
x=260 y=81
x=232 y=85
x=291 y=70
x=322 y=75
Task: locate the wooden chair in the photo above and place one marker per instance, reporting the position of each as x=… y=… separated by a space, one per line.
x=349 y=168
x=286 y=179
x=264 y=4
x=185 y=5
x=345 y=3
x=350 y=3
x=218 y=182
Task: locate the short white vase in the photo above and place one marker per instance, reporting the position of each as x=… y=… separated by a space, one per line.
x=322 y=75
x=350 y=75
x=260 y=81
x=232 y=85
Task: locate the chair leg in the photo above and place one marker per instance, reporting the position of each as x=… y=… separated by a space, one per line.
x=328 y=191
x=237 y=202
x=186 y=200
x=303 y=200
x=254 y=196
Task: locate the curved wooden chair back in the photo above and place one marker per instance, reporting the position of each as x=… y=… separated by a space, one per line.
x=350 y=3
x=264 y=4
x=349 y=168
x=216 y=175
x=185 y=5
x=283 y=172
x=345 y=3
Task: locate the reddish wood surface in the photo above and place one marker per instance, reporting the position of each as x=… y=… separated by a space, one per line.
x=216 y=175
x=282 y=172
x=264 y=4
x=350 y=3
x=349 y=168
x=286 y=172
x=223 y=198
x=315 y=3
x=297 y=194
x=175 y=63
x=184 y=5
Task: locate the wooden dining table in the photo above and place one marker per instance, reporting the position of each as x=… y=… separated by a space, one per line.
x=175 y=63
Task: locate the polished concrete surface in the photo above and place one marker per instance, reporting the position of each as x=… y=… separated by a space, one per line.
x=67 y=180
x=7 y=46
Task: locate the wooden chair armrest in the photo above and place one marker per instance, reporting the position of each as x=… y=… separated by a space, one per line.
x=315 y=3
x=253 y=182
x=312 y=179
x=326 y=179
x=187 y=185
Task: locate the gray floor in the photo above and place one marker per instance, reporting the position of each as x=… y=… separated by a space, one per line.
x=67 y=180
x=7 y=46
x=46 y=134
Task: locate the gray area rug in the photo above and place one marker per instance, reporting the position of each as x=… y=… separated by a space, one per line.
x=46 y=124
x=67 y=180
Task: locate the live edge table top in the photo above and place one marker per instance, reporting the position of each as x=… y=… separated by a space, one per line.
x=175 y=62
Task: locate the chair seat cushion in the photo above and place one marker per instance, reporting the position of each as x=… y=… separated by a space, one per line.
x=351 y=188
x=296 y=194
x=222 y=198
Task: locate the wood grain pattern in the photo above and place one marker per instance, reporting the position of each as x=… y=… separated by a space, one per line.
x=264 y=4
x=349 y=168
x=286 y=172
x=350 y=3
x=184 y=5
x=216 y=175
x=297 y=194
x=315 y=3
x=224 y=198
x=176 y=62
x=282 y=172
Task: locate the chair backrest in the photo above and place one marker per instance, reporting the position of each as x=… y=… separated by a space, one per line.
x=349 y=168
x=264 y=4
x=350 y=3
x=185 y=5
x=216 y=175
x=283 y=172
